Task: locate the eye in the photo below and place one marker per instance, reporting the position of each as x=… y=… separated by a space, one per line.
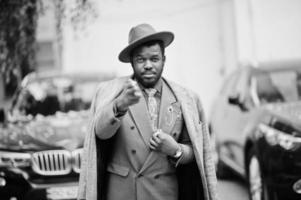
x=139 y=60
x=155 y=59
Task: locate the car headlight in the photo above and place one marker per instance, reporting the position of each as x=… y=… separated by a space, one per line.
x=14 y=159
x=276 y=137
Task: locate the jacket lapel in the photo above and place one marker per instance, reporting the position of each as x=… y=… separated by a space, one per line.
x=169 y=109
x=167 y=99
x=141 y=118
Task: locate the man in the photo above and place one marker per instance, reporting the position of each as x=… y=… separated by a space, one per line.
x=148 y=139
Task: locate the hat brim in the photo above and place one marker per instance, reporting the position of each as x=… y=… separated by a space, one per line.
x=165 y=36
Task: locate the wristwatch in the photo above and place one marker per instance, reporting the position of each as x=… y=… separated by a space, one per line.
x=178 y=153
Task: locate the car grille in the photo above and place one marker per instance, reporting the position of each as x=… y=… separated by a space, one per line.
x=56 y=162
x=76 y=160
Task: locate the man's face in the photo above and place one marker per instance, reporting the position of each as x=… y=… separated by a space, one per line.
x=148 y=63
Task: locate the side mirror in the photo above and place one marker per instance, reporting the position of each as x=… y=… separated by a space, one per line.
x=234 y=100
x=2 y=115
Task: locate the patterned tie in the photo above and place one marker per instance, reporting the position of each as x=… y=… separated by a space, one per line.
x=152 y=107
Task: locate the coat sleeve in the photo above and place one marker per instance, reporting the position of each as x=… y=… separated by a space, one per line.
x=209 y=165
x=88 y=187
x=105 y=123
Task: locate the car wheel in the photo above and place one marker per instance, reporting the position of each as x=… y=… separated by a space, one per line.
x=258 y=190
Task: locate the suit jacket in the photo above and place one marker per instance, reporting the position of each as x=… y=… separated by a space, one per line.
x=134 y=171
x=196 y=180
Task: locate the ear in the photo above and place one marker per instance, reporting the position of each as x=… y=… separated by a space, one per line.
x=164 y=58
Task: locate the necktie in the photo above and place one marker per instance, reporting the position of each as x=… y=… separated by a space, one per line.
x=152 y=107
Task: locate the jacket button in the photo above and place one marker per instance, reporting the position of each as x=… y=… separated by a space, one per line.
x=174 y=134
x=133 y=151
x=132 y=127
x=140 y=175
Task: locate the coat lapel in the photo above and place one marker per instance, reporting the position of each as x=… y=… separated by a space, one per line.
x=197 y=133
x=191 y=119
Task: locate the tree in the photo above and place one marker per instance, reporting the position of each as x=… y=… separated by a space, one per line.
x=18 y=24
x=18 y=19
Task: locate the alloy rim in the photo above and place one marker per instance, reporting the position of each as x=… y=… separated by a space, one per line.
x=255 y=179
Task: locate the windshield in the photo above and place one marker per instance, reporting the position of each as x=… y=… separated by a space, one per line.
x=278 y=86
x=48 y=96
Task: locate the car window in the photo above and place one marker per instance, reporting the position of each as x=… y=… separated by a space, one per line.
x=48 y=96
x=278 y=86
x=230 y=82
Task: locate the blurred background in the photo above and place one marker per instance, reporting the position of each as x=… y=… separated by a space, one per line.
x=212 y=39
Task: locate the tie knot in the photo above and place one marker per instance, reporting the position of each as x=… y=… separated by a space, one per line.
x=150 y=92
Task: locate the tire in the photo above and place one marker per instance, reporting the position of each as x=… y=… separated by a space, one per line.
x=258 y=190
x=223 y=171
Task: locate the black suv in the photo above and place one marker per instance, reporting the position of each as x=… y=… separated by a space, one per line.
x=42 y=135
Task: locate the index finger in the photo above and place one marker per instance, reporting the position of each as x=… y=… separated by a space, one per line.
x=133 y=83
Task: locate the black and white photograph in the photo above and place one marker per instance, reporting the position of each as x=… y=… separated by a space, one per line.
x=150 y=100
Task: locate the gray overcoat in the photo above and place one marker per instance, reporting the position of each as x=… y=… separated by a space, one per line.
x=92 y=176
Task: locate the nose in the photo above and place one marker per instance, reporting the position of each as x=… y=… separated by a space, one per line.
x=148 y=64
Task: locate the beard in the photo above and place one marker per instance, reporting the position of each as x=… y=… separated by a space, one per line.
x=148 y=82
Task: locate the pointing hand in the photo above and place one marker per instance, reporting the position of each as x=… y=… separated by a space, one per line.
x=130 y=95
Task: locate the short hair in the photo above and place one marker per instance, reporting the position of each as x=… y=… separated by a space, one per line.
x=148 y=44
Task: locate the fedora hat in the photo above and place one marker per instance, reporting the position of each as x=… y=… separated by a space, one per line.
x=143 y=33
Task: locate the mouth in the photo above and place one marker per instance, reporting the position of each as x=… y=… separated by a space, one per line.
x=149 y=75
